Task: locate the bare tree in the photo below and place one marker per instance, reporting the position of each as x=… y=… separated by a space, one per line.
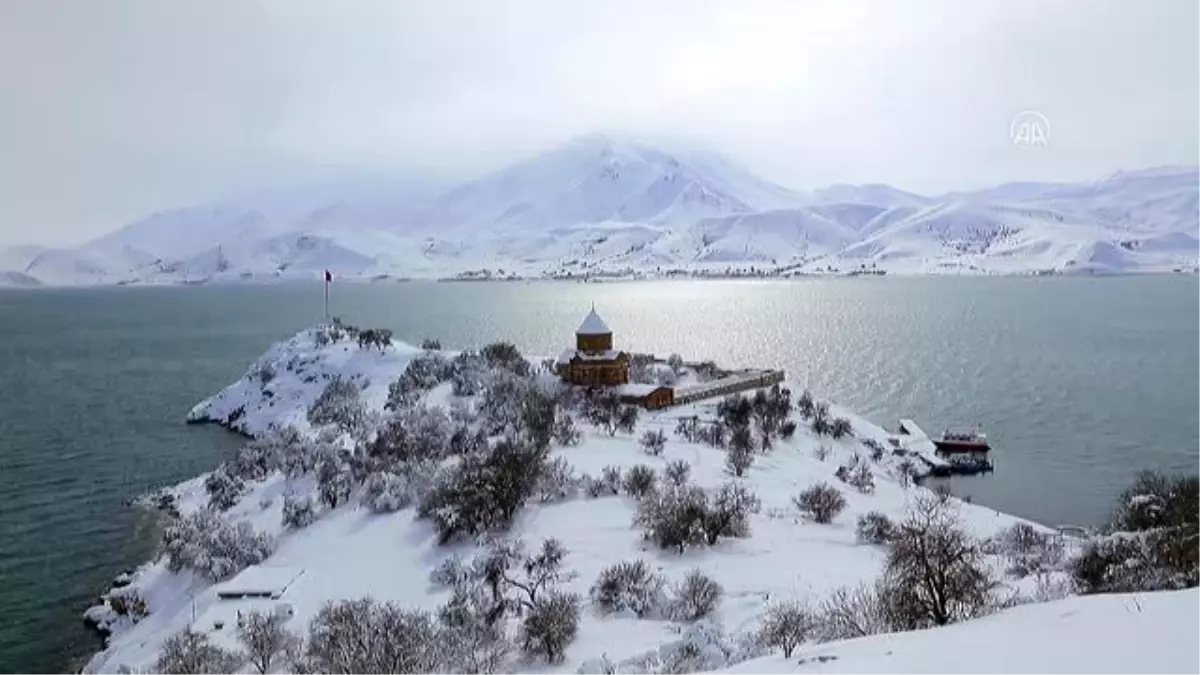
x=935 y=567
x=628 y=585
x=363 y=636
x=696 y=597
x=853 y=612
x=551 y=624
x=190 y=651
x=653 y=442
x=266 y=639
x=786 y=626
x=822 y=502
x=739 y=454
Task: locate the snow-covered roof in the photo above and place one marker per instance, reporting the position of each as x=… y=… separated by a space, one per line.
x=637 y=388
x=593 y=325
x=260 y=580
x=606 y=355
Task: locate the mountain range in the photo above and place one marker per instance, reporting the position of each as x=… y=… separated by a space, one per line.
x=602 y=205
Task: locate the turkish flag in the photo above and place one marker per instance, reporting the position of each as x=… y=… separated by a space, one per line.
x=328 y=276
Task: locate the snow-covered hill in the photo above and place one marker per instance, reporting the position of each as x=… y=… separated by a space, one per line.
x=1128 y=633
x=352 y=551
x=605 y=204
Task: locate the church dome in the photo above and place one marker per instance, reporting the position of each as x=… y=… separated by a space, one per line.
x=593 y=325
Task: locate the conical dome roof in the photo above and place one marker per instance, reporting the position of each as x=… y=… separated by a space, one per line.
x=593 y=325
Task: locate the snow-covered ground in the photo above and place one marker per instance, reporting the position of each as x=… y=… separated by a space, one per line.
x=1134 y=633
x=604 y=204
x=350 y=552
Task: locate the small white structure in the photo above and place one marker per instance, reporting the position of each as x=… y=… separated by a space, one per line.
x=259 y=581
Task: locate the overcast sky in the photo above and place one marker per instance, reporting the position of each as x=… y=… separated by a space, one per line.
x=112 y=109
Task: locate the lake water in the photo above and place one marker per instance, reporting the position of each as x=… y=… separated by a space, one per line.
x=1078 y=382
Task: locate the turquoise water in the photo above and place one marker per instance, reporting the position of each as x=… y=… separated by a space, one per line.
x=1078 y=382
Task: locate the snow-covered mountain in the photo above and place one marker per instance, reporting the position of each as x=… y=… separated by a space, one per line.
x=601 y=204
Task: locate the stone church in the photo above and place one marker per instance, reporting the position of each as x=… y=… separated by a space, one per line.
x=593 y=362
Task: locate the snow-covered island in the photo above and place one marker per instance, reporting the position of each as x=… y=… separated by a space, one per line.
x=407 y=509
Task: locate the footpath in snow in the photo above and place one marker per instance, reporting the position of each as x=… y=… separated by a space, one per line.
x=351 y=551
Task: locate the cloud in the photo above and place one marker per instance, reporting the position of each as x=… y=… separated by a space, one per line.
x=116 y=109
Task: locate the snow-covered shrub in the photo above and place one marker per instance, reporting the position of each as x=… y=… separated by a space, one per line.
x=461 y=412
x=639 y=480
x=298 y=511
x=430 y=344
x=610 y=479
x=365 y=636
x=473 y=631
x=1156 y=501
x=805 y=404
x=385 y=492
x=739 y=453
x=787 y=625
x=1122 y=563
x=935 y=571
x=603 y=410
x=214 y=548
x=451 y=572
x=467 y=371
x=191 y=651
x=874 y=447
x=854 y=612
x=339 y=405
x=729 y=512
x=505 y=356
x=415 y=433
x=679 y=515
x=677 y=472
x=500 y=407
x=840 y=427
x=335 y=480
x=905 y=471
x=375 y=337
x=557 y=482
x=821 y=502
x=627 y=417
x=266 y=639
x=550 y=625
x=673 y=516
x=628 y=586
x=689 y=428
x=538 y=414
x=822 y=452
x=484 y=491
x=714 y=434
x=565 y=432
x=258 y=458
x=857 y=474
x=787 y=429
x=819 y=419
x=653 y=442
x=695 y=597
x=223 y=489
x=465 y=442
x=874 y=527
x=1029 y=551
x=128 y=602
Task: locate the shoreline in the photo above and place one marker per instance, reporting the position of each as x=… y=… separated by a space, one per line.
x=603 y=279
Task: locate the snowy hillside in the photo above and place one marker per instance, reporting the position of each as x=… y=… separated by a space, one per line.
x=600 y=204
x=363 y=546
x=1134 y=633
